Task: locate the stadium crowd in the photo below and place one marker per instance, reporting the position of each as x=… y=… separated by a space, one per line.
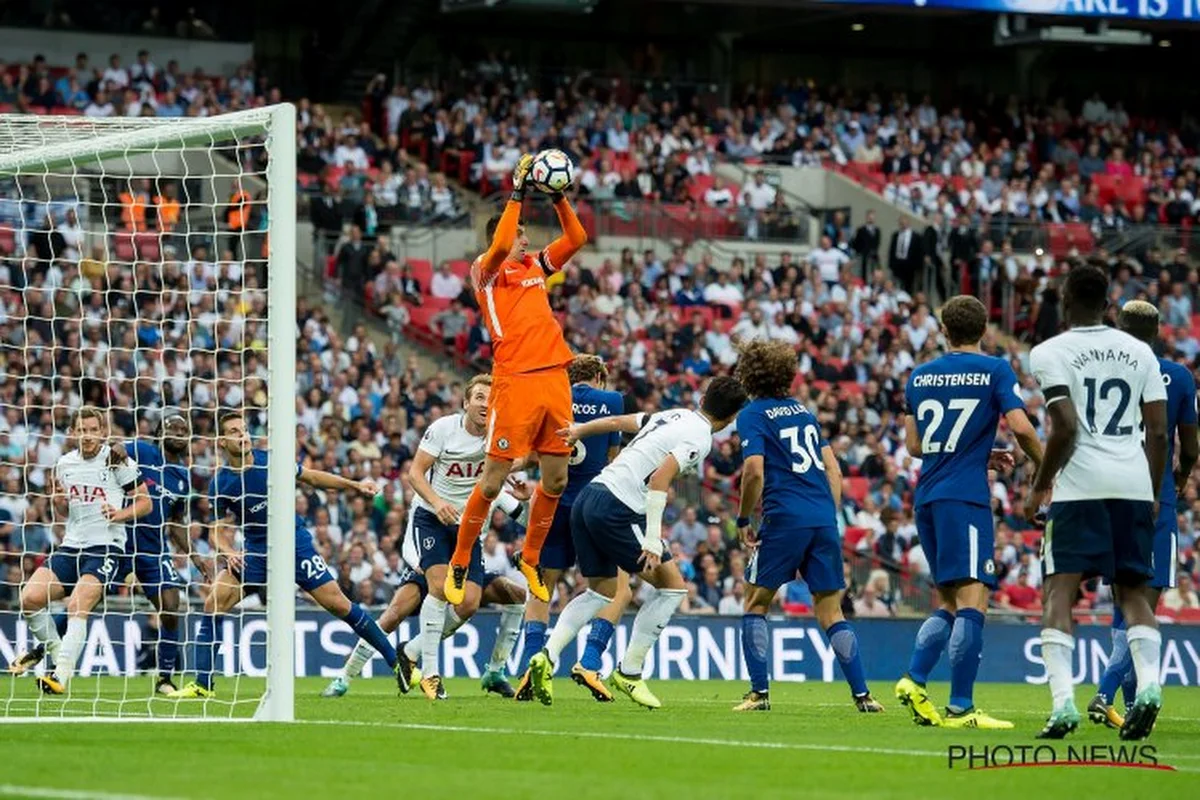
x=74 y=328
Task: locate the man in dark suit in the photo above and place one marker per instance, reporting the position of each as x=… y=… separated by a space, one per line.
x=866 y=244
x=326 y=213
x=964 y=246
x=934 y=247
x=904 y=255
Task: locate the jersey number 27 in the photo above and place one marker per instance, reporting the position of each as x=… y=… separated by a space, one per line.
x=963 y=407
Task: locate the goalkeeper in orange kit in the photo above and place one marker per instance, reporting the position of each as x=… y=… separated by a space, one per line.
x=531 y=394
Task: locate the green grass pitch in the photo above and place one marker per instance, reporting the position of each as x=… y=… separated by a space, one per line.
x=373 y=743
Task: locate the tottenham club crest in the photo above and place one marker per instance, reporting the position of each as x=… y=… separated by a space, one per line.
x=428 y=542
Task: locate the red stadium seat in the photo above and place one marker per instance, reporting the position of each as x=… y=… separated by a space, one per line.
x=422 y=270
x=856 y=488
x=123 y=247
x=853 y=536
x=461 y=267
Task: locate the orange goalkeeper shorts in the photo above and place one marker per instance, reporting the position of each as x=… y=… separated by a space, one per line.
x=525 y=413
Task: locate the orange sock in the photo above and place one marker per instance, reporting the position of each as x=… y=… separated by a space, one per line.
x=541 y=514
x=469 y=526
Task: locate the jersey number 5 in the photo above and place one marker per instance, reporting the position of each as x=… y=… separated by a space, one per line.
x=936 y=412
x=806 y=451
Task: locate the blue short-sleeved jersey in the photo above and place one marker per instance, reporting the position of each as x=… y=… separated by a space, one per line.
x=169 y=486
x=591 y=454
x=1181 y=410
x=957 y=401
x=242 y=494
x=789 y=439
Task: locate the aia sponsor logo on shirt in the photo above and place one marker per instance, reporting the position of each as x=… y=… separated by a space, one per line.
x=85 y=494
x=464 y=469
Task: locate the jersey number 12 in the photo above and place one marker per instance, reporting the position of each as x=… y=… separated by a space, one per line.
x=936 y=412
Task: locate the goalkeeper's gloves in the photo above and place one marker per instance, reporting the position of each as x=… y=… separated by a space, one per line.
x=520 y=174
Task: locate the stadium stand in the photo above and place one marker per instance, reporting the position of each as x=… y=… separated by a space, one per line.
x=1013 y=196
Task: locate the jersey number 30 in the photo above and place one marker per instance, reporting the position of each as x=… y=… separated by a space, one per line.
x=936 y=412
x=806 y=451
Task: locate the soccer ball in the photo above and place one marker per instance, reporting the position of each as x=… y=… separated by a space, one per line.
x=552 y=171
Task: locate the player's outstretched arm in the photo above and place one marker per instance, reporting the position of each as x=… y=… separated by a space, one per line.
x=752 y=486
x=573 y=238
x=140 y=506
x=656 y=504
x=833 y=471
x=1022 y=429
x=1154 y=415
x=625 y=423
x=327 y=480
x=912 y=438
x=421 y=464
x=506 y=230
x=1064 y=427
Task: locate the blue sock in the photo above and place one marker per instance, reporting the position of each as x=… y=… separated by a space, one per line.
x=845 y=646
x=966 y=646
x=365 y=627
x=597 y=642
x=535 y=642
x=931 y=641
x=206 y=645
x=754 y=650
x=60 y=623
x=1129 y=685
x=1119 y=660
x=167 y=652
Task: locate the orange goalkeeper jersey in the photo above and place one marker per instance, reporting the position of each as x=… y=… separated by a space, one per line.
x=513 y=300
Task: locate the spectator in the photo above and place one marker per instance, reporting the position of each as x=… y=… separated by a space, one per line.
x=445 y=284
x=869 y=605
x=1182 y=595
x=451 y=323
x=115 y=76
x=866 y=243
x=827 y=260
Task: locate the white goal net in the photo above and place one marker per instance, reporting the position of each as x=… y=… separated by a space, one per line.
x=147 y=271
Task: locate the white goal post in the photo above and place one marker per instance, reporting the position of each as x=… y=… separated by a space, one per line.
x=43 y=158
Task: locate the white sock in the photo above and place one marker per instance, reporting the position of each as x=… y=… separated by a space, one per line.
x=579 y=612
x=433 y=616
x=363 y=652
x=72 y=644
x=412 y=649
x=41 y=625
x=1056 y=652
x=452 y=622
x=506 y=636
x=1145 y=645
x=648 y=626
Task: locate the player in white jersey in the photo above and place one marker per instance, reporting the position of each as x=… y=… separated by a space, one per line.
x=616 y=524
x=95 y=480
x=446 y=467
x=1101 y=385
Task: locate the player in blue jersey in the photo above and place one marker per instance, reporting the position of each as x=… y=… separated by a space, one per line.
x=955 y=403
x=239 y=498
x=1140 y=320
x=790 y=467
x=590 y=400
x=146 y=553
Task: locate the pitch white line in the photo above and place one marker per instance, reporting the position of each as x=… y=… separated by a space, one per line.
x=9 y=790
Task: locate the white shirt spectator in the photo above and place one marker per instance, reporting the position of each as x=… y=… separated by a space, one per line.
x=758 y=196
x=442 y=198
x=396 y=106
x=445 y=285
x=72 y=238
x=1095 y=110
x=728 y=295
x=718 y=198
x=117 y=76
x=729 y=606
x=355 y=155
x=698 y=163
x=747 y=330
x=829 y=261
x=95 y=109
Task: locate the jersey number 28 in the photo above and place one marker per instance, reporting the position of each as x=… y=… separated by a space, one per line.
x=805 y=451
x=964 y=407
